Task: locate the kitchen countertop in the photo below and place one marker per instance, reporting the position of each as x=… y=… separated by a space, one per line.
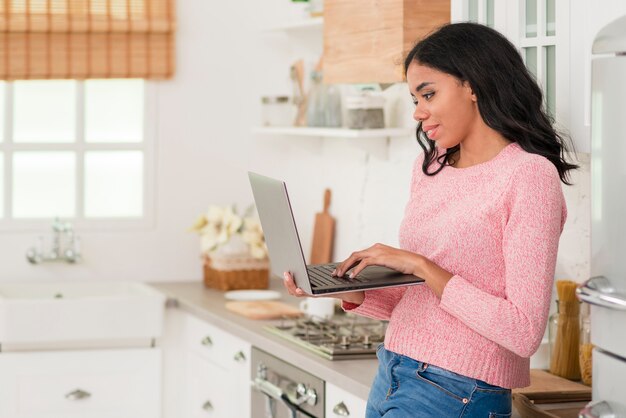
x=353 y=376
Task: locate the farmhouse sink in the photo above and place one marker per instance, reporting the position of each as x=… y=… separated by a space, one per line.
x=61 y=312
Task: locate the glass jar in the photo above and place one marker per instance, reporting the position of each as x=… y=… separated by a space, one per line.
x=553 y=325
x=316 y=8
x=586 y=348
x=365 y=111
x=333 y=106
x=277 y=111
x=565 y=341
x=316 y=102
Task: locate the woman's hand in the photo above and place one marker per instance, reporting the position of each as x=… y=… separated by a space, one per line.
x=380 y=255
x=352 y=297
x=403 y=261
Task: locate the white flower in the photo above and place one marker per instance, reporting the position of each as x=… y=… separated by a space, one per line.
x=200 y=223
x=220 y=227
x=252 y=224
x=259 y=251
x=215 y=214
x=208 y=241
x=231 y=221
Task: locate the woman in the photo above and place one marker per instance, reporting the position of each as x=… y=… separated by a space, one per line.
x=481 y=227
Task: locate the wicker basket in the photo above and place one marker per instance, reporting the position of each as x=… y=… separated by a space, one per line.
x=236 y=273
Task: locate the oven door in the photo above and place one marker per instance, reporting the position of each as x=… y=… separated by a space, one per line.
x=609 y=380
x=280 y=390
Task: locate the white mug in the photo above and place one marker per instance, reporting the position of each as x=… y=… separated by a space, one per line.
x=321 y=308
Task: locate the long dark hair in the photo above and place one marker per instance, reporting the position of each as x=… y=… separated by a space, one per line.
x=509 y=99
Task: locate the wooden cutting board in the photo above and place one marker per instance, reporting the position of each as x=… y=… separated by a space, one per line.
x=548 y=388
x=323 y=234
x=263 y=309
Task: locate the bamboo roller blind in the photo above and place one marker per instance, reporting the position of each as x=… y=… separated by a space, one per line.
x=78 y=39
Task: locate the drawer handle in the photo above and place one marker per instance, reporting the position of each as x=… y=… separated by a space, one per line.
x=207 y=341
x=208 y=406
x=240 y=357
x=77 y=395
x=341 y=409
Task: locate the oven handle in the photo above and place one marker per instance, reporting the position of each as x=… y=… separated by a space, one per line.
x=599 y=291
x=274 y=392
x=597 y=409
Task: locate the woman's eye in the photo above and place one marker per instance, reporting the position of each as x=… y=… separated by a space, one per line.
x=427 y=96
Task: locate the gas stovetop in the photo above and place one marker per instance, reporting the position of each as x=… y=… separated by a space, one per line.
x=345 y=336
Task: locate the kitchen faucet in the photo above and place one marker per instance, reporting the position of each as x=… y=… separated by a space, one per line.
x=70 y=253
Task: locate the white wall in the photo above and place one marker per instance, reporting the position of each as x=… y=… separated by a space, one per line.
x=204 y=148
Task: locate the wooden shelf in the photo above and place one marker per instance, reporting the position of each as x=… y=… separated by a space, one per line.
x=335 y=132
x=312 y=23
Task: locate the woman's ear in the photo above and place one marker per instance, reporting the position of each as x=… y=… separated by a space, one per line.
x=470 y=90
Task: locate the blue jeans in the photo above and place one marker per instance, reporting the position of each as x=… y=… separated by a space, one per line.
x=406 y=388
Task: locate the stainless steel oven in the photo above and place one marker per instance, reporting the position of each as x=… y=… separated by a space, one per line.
x=281 y=390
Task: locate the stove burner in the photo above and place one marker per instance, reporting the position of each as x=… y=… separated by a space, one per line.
x=342 y=337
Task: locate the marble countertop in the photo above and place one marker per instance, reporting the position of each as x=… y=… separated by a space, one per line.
x=353 y=376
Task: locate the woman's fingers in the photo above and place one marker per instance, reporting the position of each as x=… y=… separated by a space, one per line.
x=356 y=259
x=361 y=265
x=349 y=263
x=290 y=285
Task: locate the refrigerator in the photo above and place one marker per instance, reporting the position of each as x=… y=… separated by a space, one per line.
x=605 y=291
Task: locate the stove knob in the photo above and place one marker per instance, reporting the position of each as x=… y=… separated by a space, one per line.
x=366 y=341
x=345 y=343
x=311 y=395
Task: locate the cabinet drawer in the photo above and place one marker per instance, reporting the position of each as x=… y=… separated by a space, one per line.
x=214 y=392
x=340 y=403
x=86 y=384
x=213 y=344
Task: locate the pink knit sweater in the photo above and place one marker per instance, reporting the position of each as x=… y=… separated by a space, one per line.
x=496 y=227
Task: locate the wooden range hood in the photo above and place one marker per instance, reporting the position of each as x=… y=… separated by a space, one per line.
x=365 y=40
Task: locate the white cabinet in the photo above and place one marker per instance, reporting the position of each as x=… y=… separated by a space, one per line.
x=206 y=369
x=213 y=392
x=218 y=372
x=86 y=384
x=340 y=403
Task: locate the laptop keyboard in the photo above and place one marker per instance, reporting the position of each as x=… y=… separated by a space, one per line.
x=320 y=276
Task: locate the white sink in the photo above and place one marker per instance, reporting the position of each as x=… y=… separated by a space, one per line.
x=61 y=312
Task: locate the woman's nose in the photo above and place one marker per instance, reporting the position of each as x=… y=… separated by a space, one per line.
x=419 y=114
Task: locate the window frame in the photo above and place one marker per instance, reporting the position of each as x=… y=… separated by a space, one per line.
x=560 y=41
x=510 y=20
x=80 y=146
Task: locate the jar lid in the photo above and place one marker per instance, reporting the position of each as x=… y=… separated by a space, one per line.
x=274 y=99
x=365 y=101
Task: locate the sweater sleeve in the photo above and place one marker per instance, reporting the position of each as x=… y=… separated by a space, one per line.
x=378 y=303
x=536 y=214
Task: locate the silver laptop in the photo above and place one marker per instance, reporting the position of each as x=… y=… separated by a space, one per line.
x=283 y=243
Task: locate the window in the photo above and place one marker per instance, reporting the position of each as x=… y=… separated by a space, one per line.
x=540 y=30
x=481 y=11
x=539 y=42
x=77 y=150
